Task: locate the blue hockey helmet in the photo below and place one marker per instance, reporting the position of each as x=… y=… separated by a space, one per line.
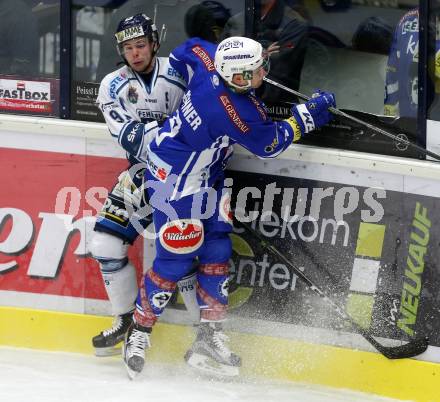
x=136 y=26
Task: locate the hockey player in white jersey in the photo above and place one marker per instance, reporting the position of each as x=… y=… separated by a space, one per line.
x=135 y=100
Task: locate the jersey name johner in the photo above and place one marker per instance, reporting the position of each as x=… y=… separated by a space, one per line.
x=190 y=114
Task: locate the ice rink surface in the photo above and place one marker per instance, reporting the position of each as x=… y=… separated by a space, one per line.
x=29 y=375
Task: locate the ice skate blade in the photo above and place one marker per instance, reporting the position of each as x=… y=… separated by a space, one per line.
x=207 y=365
x=110 y=351
x=132 y=375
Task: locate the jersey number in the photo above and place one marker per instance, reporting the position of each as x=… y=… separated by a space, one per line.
x=116 y=116
x=175 y=124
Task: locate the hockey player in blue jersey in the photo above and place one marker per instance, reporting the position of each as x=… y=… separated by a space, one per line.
x=134 y=99
x=401 y=90
x=185 y=178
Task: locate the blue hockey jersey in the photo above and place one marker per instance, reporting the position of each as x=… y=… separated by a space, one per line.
x=196 y=140
x=401 y=94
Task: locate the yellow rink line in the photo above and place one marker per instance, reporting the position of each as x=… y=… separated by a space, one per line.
x=263 y=356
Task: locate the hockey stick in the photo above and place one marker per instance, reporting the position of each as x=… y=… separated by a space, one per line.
x=410 y=349
x=347 y=116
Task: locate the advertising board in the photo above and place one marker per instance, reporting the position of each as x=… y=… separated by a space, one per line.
x=46 y=221
x=366 y=235
x=29 y=95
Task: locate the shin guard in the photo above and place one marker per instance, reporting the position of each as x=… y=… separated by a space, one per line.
x=212 y=291
x=153 y=296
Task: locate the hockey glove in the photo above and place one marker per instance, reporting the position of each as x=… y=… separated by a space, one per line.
x=314 y=113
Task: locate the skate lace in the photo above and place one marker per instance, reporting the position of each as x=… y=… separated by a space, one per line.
x=219 y=339
x=117 y=324
x=138 y=342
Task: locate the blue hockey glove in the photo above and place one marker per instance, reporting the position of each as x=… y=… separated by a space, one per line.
x=314 y=113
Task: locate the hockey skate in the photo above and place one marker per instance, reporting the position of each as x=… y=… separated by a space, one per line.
x=106 y=343
x=209 y=352
x=137 y=340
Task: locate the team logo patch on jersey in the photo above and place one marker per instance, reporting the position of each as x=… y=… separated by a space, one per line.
x=158 y=300
x=232 y=113
x=224 y=288
x=133 y=96
x=182 y=236
x=215 y=81
x=204 y=57
x=270 y=148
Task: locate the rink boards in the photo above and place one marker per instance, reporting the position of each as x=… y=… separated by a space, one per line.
x=366 y=231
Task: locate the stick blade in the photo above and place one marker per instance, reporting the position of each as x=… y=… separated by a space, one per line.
x=410 y=349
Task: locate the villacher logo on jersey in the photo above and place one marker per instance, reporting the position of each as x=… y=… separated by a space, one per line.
x=182 y=236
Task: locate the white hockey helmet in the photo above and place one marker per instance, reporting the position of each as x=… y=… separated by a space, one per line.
x=239 y=55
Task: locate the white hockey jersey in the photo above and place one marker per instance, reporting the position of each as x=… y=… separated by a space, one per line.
x=134 y=109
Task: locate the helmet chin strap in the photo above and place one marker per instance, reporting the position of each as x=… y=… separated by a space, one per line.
x=239 y=90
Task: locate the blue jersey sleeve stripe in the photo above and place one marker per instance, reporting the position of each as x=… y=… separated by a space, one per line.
x=140 y=146
x=156 y=72
x=122 y=86
x=122 y=103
